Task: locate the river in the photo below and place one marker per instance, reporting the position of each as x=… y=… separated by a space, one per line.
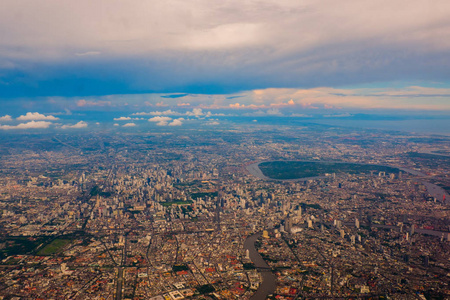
x=432 y=189
x=436 y=191
x=268 y=284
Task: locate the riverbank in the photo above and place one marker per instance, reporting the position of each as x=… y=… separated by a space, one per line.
x=268 y=284
x=433 y=190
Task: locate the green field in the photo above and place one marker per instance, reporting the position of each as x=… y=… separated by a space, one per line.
x=303 y=169
x=19 y=245
x=203 y=195
x=96 y=190
x=54 y=247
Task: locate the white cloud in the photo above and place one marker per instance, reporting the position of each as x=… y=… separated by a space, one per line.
x=28 y=125
x=166 y=121
x=115 y=124
x=168 y=112
x=141 y=114
x=80 y=124
x=160 y=121
x=129 y=125
x=122 y=119
x=35 y=116
x=176 y=122
x=197 y=112
x=6 y=118
x=212 y=123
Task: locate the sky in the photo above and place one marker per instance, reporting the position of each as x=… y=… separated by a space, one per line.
x=265 y=57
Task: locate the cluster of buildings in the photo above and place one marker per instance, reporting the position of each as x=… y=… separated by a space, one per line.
x=166 y=216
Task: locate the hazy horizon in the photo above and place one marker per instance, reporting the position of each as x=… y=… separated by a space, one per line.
x=265 y=58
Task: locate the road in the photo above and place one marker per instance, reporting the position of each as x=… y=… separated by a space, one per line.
x=119 y=287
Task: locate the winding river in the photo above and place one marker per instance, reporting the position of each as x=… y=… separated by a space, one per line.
x=268 y=284
x=433 y=189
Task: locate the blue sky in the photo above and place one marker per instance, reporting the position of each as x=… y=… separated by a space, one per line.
x=248 y=56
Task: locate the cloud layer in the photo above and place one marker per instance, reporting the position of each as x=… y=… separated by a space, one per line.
x=271 y=100
x=80 y=124
x=36 y=116
x=28 y=125
x=5 y=118
x=109 y=47
x=166 y=121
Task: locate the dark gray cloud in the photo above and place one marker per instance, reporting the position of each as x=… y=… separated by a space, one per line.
x=110 y=47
